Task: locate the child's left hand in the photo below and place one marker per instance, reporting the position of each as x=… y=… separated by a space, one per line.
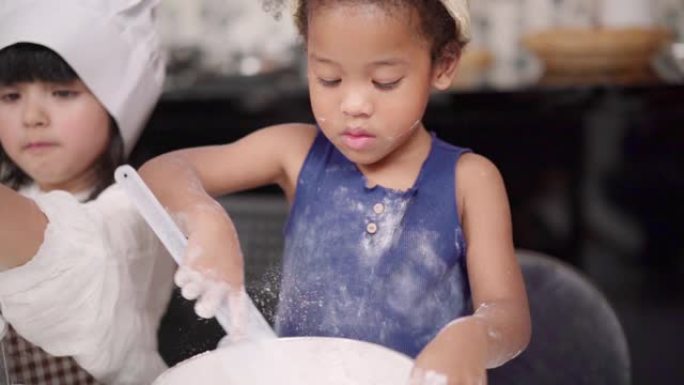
x=456 y=356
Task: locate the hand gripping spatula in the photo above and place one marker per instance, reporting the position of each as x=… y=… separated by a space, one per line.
x=175 y=242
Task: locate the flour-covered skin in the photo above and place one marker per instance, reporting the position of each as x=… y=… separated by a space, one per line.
x=429 y=377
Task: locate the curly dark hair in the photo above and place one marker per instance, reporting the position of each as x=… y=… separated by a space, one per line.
x=26 y=62
x=436 y=24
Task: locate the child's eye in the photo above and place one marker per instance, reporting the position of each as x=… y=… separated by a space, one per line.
x=65 y=94
x=9 y=97
x=328 y=82
x=386 y=86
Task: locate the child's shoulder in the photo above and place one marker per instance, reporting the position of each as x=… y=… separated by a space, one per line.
x=288 y=133
x=469 y=164
x=287 y=146
x=477 y=177
x=288 y=137
x=473 y=162
x=475 y=168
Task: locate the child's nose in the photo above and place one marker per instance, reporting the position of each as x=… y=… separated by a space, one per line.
x=35 y=115
x=356 y=103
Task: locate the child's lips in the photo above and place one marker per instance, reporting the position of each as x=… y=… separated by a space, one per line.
x=39 y=147
x=357 y=139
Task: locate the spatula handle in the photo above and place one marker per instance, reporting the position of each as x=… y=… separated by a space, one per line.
x=175 y=242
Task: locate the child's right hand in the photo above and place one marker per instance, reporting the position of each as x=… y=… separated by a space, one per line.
x=212 y=268
x=208 y=292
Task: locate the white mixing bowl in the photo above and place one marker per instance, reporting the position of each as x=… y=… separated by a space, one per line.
x=293 y=361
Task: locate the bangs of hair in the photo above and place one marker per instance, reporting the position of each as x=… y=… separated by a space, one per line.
x=27 y=62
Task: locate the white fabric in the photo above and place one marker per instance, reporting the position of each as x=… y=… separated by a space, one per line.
x=95 y=290
x=3 y=330
x=458 y=9
x=111 y=44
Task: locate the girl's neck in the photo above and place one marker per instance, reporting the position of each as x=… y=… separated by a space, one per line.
x=82 y=183
x=33 y=191
x=400 y=169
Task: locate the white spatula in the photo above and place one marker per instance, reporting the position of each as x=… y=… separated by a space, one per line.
x=175 y=242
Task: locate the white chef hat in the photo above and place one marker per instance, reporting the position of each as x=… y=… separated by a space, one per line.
x=458 y=9
x=111 y=44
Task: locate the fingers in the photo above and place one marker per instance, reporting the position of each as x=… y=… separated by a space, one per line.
x=209 y=293
x=214 y=294
x=190 y=281
x=427 y=377
x=185 y=275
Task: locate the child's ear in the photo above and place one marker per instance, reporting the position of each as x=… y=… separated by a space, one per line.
x=445 y=68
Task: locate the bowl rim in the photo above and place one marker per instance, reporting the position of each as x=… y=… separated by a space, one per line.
x=280 y=340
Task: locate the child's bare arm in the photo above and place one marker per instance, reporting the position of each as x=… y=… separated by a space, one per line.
x=499 y=329
x=22 y=225
x=186 y=182
x=498 y=290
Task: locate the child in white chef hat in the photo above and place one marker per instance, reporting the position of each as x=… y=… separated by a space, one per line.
x=83 y=280
x=393 y=236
